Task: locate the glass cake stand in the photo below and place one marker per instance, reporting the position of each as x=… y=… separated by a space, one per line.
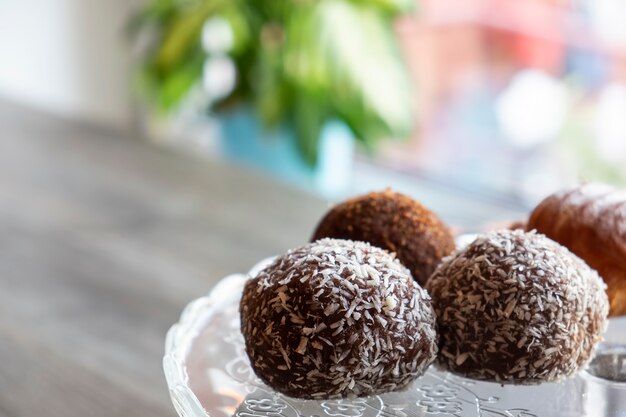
x=208 y=374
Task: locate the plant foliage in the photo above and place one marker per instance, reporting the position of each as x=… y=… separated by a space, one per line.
x=298 y=62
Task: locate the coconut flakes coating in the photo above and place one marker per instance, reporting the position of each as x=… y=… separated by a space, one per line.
x=337 y=319
x=515 y=307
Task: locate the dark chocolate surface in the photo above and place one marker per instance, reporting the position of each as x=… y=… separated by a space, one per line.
x=515 y=307
x=337 y=319
x=394 y=222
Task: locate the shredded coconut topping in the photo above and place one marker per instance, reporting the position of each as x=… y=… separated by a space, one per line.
x=515 y=307
x=337 y=319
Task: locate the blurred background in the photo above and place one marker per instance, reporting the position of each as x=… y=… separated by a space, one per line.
x=492 y=96
x=150 y=147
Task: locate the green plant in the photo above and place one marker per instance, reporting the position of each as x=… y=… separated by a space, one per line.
x=299 y=62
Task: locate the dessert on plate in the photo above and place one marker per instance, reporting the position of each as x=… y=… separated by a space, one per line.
x=337 y=319
x=346 y=316
x=517 y=307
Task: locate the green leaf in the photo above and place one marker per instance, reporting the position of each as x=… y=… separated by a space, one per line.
x=183 y=33
x=309 y=117
x=179 y=81
x=393 y=7
x=300 y=62
x=305 y=61
x=369 y=81
x=272 y=98
x=241 y=28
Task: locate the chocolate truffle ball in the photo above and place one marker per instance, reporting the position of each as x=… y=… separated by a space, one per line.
x=394 y=222
x=337 y=319
x=516 y=307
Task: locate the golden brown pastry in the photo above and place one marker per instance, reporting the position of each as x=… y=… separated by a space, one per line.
x=590 y=220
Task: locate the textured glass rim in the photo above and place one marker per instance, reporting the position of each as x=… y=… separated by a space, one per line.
x=180 y=335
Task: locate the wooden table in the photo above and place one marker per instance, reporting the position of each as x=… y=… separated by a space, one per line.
x=103 y=241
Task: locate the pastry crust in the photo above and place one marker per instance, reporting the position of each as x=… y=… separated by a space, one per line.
x=590 y=221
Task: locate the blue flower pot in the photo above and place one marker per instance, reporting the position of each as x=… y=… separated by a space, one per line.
x=245 y=141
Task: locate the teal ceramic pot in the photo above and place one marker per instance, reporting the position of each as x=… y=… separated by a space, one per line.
x=244 y=140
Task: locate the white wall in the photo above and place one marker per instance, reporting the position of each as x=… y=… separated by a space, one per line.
x=69 y=57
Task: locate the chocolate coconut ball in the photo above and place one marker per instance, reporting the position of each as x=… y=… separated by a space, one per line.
x=337 y=319
x=515 y=307
x=394 y=222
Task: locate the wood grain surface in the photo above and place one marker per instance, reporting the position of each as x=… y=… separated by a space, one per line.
x=103 y=241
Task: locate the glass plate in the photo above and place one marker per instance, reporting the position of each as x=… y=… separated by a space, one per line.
x=208 y=374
